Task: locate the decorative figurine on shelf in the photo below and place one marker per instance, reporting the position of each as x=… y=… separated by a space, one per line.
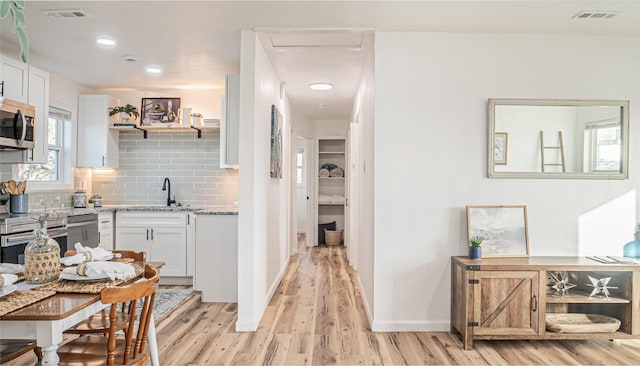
x=561 y=283
x=632 y=248
x=42 y=254
x=600 y=286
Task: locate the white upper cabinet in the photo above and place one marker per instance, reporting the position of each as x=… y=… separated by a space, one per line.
x=97 y=144
x=230 y=124
x=38 y=96
x=15 y=75
x=28 y=84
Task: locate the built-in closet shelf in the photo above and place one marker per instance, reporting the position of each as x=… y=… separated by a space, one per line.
x=331 y=204
x=577 y=298
x=331 y=152
x=332 y=178
x=146 y=129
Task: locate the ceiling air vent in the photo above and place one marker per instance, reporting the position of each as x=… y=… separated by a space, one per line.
x=66 y=13
x=585 y=14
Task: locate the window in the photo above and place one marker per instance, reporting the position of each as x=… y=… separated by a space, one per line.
x=603 y=145
x=300 y=181
x=57 y=171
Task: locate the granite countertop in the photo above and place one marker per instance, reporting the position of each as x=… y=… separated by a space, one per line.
x=205 y=210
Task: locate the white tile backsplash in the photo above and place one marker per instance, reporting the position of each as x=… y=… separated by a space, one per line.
x=190 y=163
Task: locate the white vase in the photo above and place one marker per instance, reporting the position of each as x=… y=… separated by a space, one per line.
x=186 y=117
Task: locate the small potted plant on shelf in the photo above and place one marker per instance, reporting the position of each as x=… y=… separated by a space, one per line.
x=475 y=251
x=197 y=119
x=126 y=112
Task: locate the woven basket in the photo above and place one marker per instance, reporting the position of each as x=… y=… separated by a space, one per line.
x=332 y=237
x=42 y=267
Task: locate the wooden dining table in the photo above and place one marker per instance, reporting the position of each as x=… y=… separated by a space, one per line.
x=47 y=319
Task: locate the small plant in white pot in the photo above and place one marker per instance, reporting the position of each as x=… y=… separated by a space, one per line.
x=126 y=112
x=475 y=249
x=197 y=119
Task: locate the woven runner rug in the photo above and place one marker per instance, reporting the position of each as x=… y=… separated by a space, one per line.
x=167 y=299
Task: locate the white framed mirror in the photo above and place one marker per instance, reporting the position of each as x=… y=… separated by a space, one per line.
x=537 y=138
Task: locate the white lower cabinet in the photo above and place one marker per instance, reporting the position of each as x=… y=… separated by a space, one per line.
x=105 y=229
x=216 y=274
x=162 y=235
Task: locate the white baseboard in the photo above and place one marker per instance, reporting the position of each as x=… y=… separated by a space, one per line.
x=253 y=326
x=246 y=326
x=411 y=326
x=364 y=301
x=182 y=281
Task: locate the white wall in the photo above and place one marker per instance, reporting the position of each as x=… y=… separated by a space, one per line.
x=363 y=197
x=430 y=156
x=263 y=225
x=206 y=102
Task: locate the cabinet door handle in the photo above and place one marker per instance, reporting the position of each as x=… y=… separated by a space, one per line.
x=103 y=159
x=147 y=234
x=535 y=303
x=151 y=234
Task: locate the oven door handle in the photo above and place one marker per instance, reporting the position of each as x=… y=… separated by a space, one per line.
x=24 y=127
x=12 y=240
x=82 y=223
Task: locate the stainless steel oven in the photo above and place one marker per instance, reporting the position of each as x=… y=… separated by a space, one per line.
x=16 y=231
x=17 y=125
x=83 y=229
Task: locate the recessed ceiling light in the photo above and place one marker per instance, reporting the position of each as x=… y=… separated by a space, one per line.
x=320 y=86
x=153 y=70
x=106 y=41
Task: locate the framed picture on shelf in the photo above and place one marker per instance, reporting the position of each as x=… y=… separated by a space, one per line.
x=503 y=228
x=159 y=111
x=500 y=148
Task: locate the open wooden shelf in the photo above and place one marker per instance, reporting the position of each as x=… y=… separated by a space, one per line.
x=579 y=298
x=331 y=152
x=174 y=128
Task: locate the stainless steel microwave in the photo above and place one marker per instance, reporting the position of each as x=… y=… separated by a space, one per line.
x=17 y=125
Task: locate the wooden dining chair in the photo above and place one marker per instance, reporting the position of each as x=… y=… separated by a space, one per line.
x=99 y=323
x=109 y=350
x=14 y=348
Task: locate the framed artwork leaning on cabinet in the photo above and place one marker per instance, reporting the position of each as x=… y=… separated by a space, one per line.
x=503 y=228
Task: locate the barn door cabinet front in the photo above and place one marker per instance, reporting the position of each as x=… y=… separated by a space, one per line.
x=505 y=303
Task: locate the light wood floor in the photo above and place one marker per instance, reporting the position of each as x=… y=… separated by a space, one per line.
x=317 y=317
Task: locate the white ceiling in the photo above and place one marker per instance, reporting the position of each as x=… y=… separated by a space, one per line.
x=197 y=42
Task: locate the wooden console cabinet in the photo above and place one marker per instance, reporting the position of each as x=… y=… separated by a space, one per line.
x=509 y=298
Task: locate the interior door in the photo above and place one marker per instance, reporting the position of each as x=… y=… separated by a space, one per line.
x=505 y=302
x=311 y=163
x=352 y=194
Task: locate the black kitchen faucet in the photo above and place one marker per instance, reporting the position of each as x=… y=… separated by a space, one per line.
x=164 y=188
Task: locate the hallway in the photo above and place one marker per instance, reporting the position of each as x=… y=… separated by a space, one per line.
x=316 y=317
